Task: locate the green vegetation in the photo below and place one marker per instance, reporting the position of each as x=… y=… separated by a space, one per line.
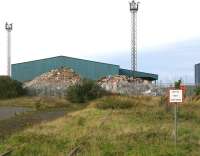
x=84 y=91
x=115 y=102
x=197 y=91
x=177 y=84
x=10 y=88
x=38 y=103
x=144 y=128
x=39 y=109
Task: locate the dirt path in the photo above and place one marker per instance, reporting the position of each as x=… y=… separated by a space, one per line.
x=19 y=122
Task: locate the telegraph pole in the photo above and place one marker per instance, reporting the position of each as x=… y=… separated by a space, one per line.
x=9 y=28
x=134 y=9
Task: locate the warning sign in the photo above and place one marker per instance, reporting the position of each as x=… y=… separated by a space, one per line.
x=176 y=96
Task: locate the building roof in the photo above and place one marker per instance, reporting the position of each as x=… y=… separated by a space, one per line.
x=65 y=57
x=138 y=74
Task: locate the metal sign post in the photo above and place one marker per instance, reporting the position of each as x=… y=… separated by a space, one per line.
x=176 y=97
x=175 y=124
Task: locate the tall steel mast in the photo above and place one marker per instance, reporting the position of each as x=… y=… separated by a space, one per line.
x=134 y=9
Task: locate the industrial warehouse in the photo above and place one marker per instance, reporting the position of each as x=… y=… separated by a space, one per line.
x=85 y=68
x=52 y=76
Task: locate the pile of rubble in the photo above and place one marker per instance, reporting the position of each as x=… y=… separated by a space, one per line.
x=129 y=86
x=56 y=82
x=52 y=83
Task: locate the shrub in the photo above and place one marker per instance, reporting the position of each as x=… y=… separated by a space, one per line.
x=84 y=91
x=10 y=88
x=177 y=84
x=115 y=102
x=197 y=91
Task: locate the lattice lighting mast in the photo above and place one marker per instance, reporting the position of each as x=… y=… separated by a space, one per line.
x=134 y=9
x=8 y=28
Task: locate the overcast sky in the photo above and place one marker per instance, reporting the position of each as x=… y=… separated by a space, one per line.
x=100 y=30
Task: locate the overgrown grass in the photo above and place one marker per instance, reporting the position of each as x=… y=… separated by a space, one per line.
x=115 y=102
x=144 y=129
x=40 y=109
x=39 y=103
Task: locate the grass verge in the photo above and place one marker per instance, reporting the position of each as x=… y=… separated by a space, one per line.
x=144 y=129
x=39 y=103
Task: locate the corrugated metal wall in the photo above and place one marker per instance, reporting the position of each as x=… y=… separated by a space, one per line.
x=197 y=74
x=88 y=69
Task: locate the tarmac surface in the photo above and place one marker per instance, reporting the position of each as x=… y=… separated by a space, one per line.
x=13 y=119
x=8 y=112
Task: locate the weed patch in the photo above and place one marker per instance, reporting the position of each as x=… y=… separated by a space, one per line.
x=84 y=91
x=115 y=102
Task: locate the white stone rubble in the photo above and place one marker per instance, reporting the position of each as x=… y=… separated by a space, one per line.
x=129 y=86
x=52 y=83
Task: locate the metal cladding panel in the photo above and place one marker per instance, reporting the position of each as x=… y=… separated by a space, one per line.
x=90 y=69
x=138 y=74
x=87 y=69
x=197 y=74
x=28 y=70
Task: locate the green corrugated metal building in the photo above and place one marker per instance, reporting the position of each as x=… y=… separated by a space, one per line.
x=27 y=71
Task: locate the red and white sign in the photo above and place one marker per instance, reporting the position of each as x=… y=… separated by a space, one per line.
x=175 y=96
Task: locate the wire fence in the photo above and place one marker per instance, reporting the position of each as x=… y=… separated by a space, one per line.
x=190 y=87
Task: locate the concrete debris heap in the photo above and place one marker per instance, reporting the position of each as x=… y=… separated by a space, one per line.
x=56 y=82
x=52 y=83
x=129 y=86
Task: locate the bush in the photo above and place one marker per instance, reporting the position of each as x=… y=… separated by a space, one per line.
x=177 y=84
x=115 y=102
x=84 y=91
x=10 y=88
x=197 y=91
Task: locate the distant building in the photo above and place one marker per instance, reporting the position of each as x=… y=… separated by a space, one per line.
x=27 y=71
x=197 y=74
